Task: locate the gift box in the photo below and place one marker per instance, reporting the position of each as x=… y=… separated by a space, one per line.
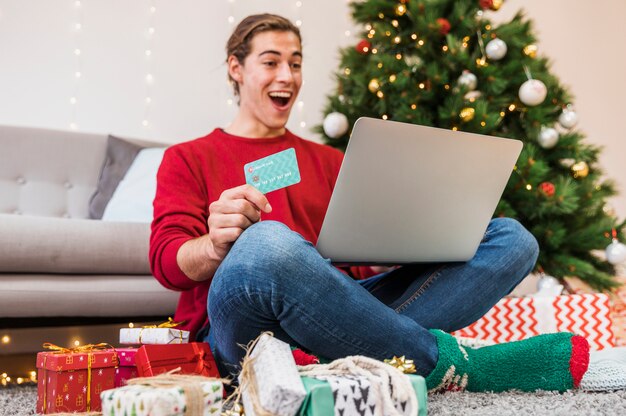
x=270 y=378
x=617 y=299
x=352 y=395
x=71 y=380
x=139 y=336
x=514 y=319
x=165 y=396
x=127 y=368
x=192 y=358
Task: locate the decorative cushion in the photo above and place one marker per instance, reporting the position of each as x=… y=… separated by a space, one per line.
x=119 y=156
x=132 y=200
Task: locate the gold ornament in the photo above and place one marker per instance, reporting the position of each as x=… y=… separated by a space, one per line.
x=481 y=62
x=402 y=364
x=530 y=51
x=580 y=170
x=400 y=9
x=374 y=85
x=467 y=114
x=496 y=4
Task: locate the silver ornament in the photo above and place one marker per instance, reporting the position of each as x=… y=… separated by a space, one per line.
x=335 y=125
x=473 y=95
x=548 y=137
x=468 y=80
x=533 y=92
x=568 y=118
x=616 y=252
x=496 y=49
x=548 y=286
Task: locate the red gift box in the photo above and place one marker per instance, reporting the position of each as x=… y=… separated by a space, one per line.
x=192 y=358
x=514 y=319
x=71 y=380
x=127 y=367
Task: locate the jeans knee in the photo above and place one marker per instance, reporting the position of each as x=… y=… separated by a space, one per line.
x=518 y=237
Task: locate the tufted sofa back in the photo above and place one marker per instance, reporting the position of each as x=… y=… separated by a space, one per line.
x=48 y=173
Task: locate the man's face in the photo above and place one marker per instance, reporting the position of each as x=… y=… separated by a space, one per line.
x=270 y=78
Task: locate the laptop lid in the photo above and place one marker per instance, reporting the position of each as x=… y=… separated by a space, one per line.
x=408 y=193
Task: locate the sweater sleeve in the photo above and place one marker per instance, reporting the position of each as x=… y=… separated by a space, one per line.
x=179 y=215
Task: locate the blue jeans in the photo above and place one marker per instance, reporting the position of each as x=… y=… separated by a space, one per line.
x=274 y=280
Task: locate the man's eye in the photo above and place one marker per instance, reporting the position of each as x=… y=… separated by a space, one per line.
x=296 y=65
x=269 y=63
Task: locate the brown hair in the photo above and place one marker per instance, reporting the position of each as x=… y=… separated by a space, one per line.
x=238 y=44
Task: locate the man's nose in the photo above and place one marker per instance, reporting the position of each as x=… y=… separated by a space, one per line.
x=284 y=73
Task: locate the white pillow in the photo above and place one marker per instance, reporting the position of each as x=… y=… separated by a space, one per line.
x=132 y=199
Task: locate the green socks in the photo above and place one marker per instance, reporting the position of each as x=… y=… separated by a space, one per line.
x=545 y=362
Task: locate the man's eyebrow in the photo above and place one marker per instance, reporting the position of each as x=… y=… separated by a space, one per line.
x=273 y=52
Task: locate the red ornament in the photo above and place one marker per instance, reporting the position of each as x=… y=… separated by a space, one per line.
x=363 y=47
x=485 y=4
x=547 y=188
x=444 y=26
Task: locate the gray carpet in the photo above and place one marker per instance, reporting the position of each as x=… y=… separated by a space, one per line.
x=17 y=401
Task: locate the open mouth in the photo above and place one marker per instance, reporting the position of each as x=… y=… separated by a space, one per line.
x=280 y=98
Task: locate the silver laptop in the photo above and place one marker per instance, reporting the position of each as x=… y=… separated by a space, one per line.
x=408 y=193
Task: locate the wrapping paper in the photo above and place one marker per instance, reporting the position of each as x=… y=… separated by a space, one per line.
x=143 y=400
x=73 y=381
x=351 y=395
x=513 y=319
x=192 y=358
x=127 y=368
x=139 y=336
x=274 y=376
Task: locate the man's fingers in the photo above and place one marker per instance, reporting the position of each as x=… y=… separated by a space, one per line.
x=230 y=220
x=223 y=236
x=236 y=206
x=249 y=193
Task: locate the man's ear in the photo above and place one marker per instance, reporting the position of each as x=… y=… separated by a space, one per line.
x=234 y=68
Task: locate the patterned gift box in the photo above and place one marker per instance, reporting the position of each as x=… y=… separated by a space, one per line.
x=513 y=319
x=164 y=400
x=142 y=336
x=71 y=380
x=192 y=358
x=352 y=395
x=270 y=373
x=127 y=367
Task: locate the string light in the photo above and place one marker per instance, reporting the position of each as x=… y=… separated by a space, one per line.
x=6 y=339
x=77 y=26
x=131 y=325
x=148 y=53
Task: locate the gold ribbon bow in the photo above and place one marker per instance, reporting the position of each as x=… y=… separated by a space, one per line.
x=167 y=324
x=87 y=348
x=402 y=364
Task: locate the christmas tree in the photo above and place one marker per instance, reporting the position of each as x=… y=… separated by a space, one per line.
x=442 y=63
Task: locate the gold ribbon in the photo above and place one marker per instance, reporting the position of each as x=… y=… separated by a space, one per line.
x=167 y=324
x=402 y=363
x=87 y=348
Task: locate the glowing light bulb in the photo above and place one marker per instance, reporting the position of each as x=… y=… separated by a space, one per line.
x=347 y=33
x=73 y=100
x=77 y=52
x=77 y=74
x=148 y=101
x=78 y=26
x=298 y=23
x=145 y=123
x=149 y=78
x=302 y=124
x=148 y=52
x=76 y=343
x=6 y=339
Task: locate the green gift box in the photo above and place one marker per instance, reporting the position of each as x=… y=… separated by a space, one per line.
x=320 y=399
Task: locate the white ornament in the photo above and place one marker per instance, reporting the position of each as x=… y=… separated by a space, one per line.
x=616 y=252
x=533 y=92
x=496 y=49
x=548 y=286
x=568 y=118
x=548 y=137
x=335 y=125
x=468 y=80
x=472 y=95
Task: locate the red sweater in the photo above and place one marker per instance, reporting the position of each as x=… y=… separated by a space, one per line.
x=194 y=174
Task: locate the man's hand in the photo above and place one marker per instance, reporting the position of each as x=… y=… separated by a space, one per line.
x=236 y=209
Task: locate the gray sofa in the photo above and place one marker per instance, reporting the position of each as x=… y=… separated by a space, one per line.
x=54 y=260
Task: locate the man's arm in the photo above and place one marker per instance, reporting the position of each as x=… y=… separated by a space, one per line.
x=236 y=209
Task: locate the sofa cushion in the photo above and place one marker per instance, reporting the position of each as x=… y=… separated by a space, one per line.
x=132 y=199
x=119 y=156
x=30 y=244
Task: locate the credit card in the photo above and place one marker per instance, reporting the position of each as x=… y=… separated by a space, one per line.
x=274 y=171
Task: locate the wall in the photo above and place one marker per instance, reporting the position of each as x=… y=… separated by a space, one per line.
x=189 y=93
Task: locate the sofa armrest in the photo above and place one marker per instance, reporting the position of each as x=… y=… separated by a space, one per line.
x=30 y=244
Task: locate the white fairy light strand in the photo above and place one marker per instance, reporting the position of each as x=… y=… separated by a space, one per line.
x=148 y=56
x=76 y=30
